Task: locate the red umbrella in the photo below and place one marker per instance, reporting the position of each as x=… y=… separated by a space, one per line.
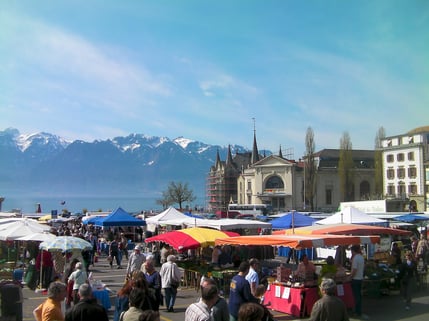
x=191 y=238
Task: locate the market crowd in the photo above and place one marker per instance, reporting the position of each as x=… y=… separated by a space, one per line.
x=146 y=289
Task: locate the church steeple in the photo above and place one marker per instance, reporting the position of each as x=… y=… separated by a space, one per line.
x=280 y=152
x=217 y=157
x=255 y=152
x=229 y=156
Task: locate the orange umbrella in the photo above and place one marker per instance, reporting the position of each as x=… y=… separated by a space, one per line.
x=342 y=229
x=298 y=241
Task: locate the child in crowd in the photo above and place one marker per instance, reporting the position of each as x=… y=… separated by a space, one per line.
x=259 y=292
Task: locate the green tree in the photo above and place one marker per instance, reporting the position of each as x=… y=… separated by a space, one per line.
x=310 y=169
x=345 y=168
x=177 y=192
x=378 y=163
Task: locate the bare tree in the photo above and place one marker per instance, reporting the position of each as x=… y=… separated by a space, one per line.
x=310 y=169
x=345 y=168
x=378 y=163
x=176 y=193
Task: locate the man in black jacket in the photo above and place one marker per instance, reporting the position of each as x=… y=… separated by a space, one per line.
x=87 y=308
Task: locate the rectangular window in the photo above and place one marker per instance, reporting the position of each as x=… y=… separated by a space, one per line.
x=412 y=172
x=390 y=158
x=400 y=157
x=328 y=196
x=411 y=156
x=400 y=172
x=390 y=190
x=412 y=189
x=401 y=190
x=390 y=173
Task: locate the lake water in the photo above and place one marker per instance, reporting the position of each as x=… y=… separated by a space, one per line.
x=28 y=204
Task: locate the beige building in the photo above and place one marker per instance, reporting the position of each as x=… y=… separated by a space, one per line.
x=268 y=181
x=280 y=182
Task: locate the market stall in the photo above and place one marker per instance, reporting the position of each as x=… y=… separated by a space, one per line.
x=288 y=293
x=192 y=239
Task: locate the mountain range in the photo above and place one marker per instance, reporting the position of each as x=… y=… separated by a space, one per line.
x=134 y=165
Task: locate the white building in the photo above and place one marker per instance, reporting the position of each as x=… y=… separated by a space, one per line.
x=269 y=181
x=406 y=167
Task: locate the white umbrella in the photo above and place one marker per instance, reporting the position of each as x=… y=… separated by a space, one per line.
x=66 y=243
x=38 y=236
x=14 y=230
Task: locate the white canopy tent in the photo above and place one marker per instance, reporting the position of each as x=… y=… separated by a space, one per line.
x=353 y=216
x=232 y=224
x=169 y=214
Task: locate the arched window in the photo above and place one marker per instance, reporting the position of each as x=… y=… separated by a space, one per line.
x=274 y=182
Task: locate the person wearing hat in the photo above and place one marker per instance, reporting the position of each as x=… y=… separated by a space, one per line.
x=79 y=277
x=135 y=260
x=329 y=307
x=170 y=279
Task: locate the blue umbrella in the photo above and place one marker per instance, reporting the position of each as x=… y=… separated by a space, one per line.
x=298 y=219
x=411 y=218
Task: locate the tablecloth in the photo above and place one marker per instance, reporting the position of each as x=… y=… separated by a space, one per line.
x=103 y=298
x=295 y=301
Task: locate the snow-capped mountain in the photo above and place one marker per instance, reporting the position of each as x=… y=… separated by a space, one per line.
x=133 y=165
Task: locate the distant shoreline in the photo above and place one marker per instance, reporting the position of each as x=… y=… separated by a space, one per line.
x=76 y=204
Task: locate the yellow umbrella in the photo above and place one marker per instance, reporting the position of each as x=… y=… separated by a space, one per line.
x=191 y=238
x=45 y=218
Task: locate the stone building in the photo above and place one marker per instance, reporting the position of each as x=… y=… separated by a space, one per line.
x=279 y=182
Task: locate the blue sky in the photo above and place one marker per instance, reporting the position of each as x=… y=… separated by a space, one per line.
x=204 y=69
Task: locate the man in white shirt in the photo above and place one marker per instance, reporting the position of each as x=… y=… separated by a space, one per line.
x=137 y=258
x=252 y=277
x=200 y=311
x=357 y=272
x=170 y=280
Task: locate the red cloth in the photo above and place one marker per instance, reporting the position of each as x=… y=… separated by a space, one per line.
x=69 y=298
x=47 y=259
x=299 y=303
x=348 y=298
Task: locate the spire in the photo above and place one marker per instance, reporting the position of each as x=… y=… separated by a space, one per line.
x=280 y=151
x=217 y=157
x=229 y=156
x=255 y=152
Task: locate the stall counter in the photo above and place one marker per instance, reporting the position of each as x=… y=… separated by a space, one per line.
x=299 y=301
x=295 y=301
